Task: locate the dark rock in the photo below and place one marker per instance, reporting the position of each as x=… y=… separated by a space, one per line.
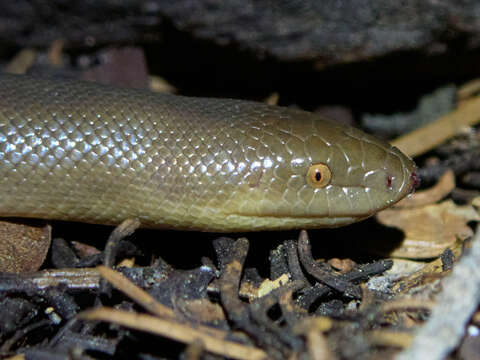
x=326 y=32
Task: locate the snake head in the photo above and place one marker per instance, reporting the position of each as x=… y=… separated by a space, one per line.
x=313 y=173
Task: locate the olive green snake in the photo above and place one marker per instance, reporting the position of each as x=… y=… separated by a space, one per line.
x=79 y=151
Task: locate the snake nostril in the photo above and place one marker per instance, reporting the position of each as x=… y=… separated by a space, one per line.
x=414 y=180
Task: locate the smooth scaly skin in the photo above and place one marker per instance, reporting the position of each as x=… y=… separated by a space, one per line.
x=85 y=152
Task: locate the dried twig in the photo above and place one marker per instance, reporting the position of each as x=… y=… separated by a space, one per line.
x=428 y=137
x=123 y=284
x=174 y=330
x=144 y=299
x=329 y=278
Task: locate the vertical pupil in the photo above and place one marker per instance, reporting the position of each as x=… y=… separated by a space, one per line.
x=389 y=181
x=318 y=176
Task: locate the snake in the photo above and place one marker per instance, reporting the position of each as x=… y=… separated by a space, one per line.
x=79 y=151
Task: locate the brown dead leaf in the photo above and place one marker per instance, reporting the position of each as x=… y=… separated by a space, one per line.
x=23 y=247
x=429 y=230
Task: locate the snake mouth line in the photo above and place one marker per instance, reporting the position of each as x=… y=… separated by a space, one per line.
x=357 y=216
x=290 y=222
x=304 y=217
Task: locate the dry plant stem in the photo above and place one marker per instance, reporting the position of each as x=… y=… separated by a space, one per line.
x=469 y=89
x=455 y=305
x=407 y=304
x=318 y=347
x=390 y=338
x=16 y=357
x=194 y=351
x=176 y=331
x=430 y=136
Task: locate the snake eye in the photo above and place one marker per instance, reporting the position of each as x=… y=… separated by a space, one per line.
x=318 y=175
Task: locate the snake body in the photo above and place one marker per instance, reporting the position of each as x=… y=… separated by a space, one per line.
x=80 y=151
